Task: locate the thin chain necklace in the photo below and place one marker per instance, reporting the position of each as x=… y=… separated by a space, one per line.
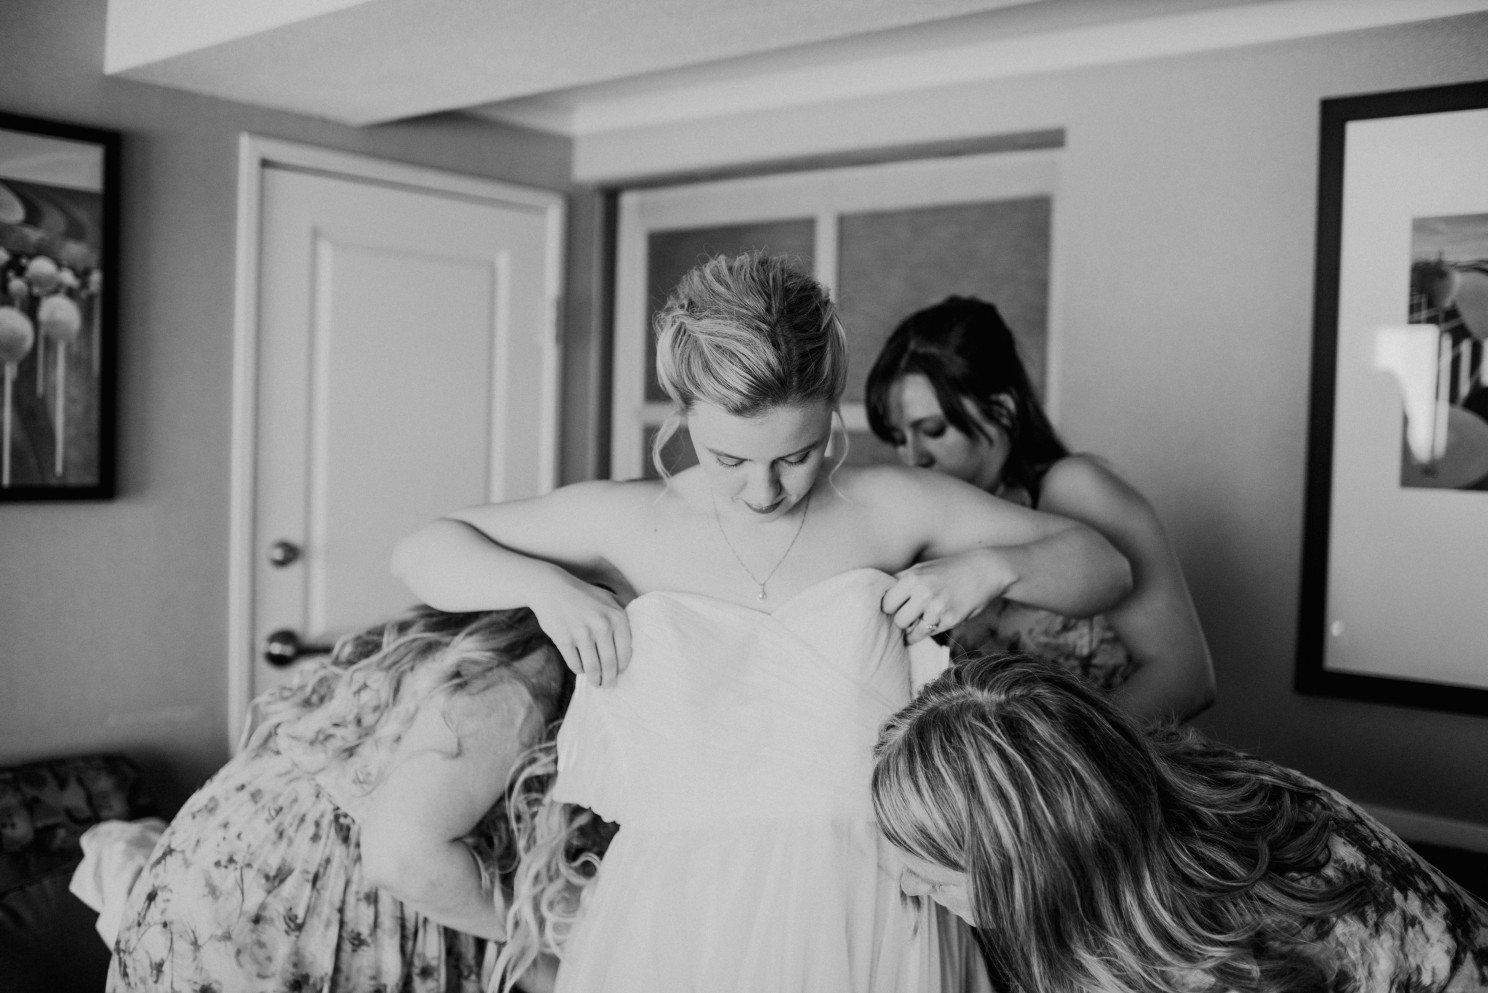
x=805 y=509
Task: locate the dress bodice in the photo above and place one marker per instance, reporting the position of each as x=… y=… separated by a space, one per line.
x=736 y=753
x=726 y=713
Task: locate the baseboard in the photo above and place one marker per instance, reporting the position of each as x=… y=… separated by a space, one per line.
x=1431 y=829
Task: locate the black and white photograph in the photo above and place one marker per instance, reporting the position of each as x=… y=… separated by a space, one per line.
x=1446 y=445
x=855 y=496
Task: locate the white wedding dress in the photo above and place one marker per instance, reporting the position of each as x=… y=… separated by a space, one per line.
x=735 y=752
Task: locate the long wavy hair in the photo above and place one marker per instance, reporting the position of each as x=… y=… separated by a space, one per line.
x=359 y=692
x=350 y=709
x=1101 y=855
x=557 y=850
x=748 y=333
x=968 y=353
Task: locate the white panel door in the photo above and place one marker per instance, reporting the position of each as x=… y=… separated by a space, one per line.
x=406 y=365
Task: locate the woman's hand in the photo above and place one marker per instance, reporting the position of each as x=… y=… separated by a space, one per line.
x=934 y=596
x=588 y=625
x=539 y=553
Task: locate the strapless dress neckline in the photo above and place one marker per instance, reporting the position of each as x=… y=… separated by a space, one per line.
x=805 y=593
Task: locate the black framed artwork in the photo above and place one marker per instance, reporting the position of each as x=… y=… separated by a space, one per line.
x=1394 y=590
x=59 y=236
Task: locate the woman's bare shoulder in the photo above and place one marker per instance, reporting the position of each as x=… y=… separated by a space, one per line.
x=904 y=500
x=597 y=501
x=612 y=490
x=882 y=483
x=1087 y=488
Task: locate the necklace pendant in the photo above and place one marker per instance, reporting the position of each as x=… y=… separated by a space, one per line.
x=805 y=509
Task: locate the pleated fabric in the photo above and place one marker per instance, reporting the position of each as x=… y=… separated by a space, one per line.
x=735 y=752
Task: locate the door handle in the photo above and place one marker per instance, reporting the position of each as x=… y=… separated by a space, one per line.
x=284 y=648
x=283 y=553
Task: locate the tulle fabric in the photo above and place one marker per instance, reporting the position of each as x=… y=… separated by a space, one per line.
x=735 y=753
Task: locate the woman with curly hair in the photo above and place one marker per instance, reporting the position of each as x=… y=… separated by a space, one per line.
x=364 y=837
x=1094 y=853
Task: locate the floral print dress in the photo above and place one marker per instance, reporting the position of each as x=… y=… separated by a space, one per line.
x=1087 y=646
x=1417 y=931
x=1413 y=931
x=257 y=887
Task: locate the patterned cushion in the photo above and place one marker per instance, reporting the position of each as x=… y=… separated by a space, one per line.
x=46 y=806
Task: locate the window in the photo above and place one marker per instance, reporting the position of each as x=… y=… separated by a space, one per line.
x=886 y=239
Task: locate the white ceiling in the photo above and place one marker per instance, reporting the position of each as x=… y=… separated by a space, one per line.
x=580 y=67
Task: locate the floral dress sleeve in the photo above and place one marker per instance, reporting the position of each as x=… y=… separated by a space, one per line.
x=1417 y=931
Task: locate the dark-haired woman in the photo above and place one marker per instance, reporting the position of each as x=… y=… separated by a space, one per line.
x=951 y=394
x=1092 y=852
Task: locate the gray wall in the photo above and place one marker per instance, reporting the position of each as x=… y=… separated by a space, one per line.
x=1185 y=225
x=113 y=615
x=1187 y=218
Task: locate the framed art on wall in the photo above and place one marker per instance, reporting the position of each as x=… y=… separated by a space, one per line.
x=59 y=208
x=1395 y=552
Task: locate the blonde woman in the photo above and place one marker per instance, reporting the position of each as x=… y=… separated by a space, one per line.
x=363 y=839
x=741 y=631
x=1094 y=853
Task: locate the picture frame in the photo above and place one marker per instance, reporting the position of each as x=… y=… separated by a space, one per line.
x=1394 y=584
x=59 y=237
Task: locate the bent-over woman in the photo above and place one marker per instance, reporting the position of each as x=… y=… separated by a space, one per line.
x=361 y=840
x=1094 y=853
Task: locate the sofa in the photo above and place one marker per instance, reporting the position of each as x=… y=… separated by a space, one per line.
x=48 y=940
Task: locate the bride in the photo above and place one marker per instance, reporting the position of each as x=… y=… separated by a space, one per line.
x=741 y=630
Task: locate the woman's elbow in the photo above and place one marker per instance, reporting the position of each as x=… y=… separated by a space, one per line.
x=1122 y=579
x=405 y=560
x=1115 y=572
x=409 y=565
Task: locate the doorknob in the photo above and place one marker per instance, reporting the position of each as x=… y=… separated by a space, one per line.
x=283 y=647
x=282 y=553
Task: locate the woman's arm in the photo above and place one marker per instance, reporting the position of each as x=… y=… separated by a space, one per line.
x=535 y=553
x=974 y=548
x=448 y=770
x=493 y=556
x=1157 y=623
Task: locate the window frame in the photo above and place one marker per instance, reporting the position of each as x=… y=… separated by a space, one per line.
x=822 y=195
